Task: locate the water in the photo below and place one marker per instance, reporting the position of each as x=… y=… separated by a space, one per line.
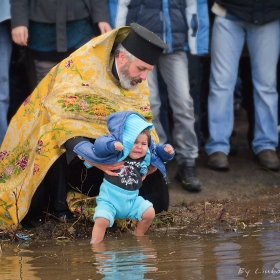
x=250 y=254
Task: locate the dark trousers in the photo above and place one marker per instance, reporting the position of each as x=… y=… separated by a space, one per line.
x=195 y=78
x=50 y=195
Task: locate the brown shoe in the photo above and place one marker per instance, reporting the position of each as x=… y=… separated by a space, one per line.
x=268 y=159
x=218 y=161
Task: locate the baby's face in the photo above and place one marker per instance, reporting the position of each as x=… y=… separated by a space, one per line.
x=140 y=147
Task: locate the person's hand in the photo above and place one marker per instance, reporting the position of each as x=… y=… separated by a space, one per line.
x=108 y=168
x=118 y=146
x=104 y=27
x=144 y=177
x=151 y=169
x=169 y=149
x=20 y=35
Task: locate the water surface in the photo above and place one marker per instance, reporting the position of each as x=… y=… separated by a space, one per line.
x=250 y=254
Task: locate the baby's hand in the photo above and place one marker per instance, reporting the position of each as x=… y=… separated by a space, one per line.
x=118 y=146
x=169 y=149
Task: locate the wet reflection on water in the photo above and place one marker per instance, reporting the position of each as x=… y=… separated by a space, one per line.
x=270 y=241
x=15 y=265
x=129 y=261
x=251 y=254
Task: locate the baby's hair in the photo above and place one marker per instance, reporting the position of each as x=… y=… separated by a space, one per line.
x=147 y=132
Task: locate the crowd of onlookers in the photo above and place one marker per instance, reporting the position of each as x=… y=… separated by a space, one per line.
x=222 y=54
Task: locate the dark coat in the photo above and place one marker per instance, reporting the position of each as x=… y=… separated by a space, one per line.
x=252 y=11
x=58 y=12
x=46 y=11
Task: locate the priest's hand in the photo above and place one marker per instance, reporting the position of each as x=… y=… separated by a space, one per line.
x=108 y=168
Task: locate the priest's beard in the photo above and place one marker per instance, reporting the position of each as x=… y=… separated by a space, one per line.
x=125 y=80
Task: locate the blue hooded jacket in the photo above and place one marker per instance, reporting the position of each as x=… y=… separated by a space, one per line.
x=182 y=24
x=103 y=151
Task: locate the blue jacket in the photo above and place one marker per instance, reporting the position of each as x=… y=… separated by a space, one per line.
x=181 y=24
x=103 y=151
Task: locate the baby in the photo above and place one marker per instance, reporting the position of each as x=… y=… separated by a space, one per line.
x=130 y=141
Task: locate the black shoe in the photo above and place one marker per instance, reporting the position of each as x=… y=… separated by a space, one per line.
x=64 y=216
x=186 y=174
x=33 y=221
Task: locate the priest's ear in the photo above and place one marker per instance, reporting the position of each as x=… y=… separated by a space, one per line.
x=122 y=58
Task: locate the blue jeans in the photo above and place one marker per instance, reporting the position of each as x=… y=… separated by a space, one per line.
x=5 y=58
x=228 y=39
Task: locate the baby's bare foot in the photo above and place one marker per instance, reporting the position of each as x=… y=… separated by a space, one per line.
x=137 y=233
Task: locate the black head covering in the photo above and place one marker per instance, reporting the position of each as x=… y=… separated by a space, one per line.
x=144 y=44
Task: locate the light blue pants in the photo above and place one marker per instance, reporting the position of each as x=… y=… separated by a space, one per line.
x=228 y=39
x=5 y=58
x=174 y=70
x=115 y=202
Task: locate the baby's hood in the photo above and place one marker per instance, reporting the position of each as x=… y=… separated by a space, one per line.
x=125 y=127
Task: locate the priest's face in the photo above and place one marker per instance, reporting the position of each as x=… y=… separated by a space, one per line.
x=132 y=72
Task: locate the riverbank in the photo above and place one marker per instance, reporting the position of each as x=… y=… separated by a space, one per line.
x=246 y=195
x=244 y=181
